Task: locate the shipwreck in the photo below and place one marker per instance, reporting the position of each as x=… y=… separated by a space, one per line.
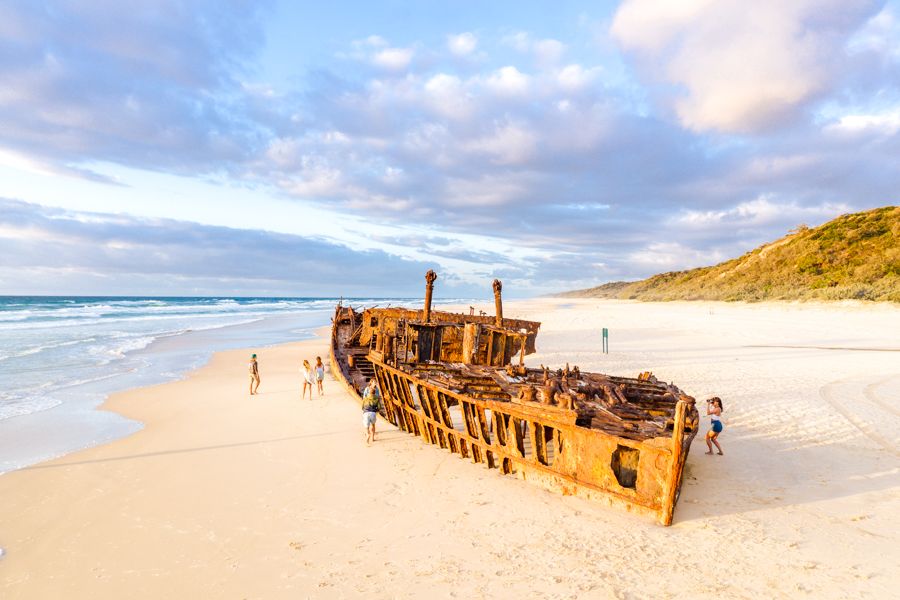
x=459 y=381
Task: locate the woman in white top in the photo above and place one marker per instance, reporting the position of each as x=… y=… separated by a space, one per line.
x=714 y=412
x=320 y=375
x=308 y=378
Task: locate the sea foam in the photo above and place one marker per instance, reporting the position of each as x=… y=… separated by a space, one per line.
x=60 y=357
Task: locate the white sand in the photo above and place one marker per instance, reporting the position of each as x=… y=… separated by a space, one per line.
x=223 y=495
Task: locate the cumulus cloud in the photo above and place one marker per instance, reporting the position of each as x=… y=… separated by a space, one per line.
x=575 y=77
x=448 y=96
x=741 y=70
x=509 y=81
x=393 y=59
x=462 y=44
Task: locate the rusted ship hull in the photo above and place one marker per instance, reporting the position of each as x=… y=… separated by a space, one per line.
x=450 y=379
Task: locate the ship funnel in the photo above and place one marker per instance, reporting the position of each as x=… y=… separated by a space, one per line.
x=498 y=302
x=430 y=277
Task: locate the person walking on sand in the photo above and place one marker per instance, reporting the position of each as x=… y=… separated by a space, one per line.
x=308 y=377
x=320 y=375
x=371 y=404
x=714 y=411
x=254 y=375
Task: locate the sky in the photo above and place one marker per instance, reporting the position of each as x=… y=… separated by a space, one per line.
x=321 y=149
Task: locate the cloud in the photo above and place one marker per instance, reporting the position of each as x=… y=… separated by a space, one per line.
x=462 y=44
x=42 y=249
x=506 y=144
x=739 y=70
x=509 y=81
x=448 y=96
x=551 y=154
x=574 y=77
x=880 y=35
x=471 y=197
x=393 y=59
x=546 y=52
x=549 y=52
x=554 y=163
x=757 y=213
x=519 y=40
x=659 y=257
x=373 y=41
x=884 y=123
x=145 y=84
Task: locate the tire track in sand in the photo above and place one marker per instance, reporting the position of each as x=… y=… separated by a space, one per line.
x=865 y=427
x=870 y=395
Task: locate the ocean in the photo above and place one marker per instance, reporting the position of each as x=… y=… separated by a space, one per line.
x=60 y=357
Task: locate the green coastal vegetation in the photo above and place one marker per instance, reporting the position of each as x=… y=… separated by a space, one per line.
x=855 y=256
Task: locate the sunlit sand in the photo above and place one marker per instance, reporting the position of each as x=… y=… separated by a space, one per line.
x=227 y=495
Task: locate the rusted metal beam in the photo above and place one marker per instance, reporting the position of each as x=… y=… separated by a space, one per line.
x=673 y=479
x=498 y=303
x=430 y=278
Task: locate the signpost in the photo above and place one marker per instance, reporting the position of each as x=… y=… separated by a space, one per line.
x=605 y=340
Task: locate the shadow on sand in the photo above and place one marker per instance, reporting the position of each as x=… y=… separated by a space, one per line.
x=57 y=465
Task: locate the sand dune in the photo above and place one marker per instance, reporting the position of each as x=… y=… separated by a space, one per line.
x=223 y=495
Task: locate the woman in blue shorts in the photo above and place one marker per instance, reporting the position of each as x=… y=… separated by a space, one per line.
x=714 y=411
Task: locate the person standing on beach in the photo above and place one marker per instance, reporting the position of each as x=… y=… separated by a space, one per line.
x=371 y=404
x=307 y=379
x=254 y=375
x=714 y=411
x=320 y=375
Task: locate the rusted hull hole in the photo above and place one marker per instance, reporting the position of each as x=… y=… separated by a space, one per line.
x=625 y=465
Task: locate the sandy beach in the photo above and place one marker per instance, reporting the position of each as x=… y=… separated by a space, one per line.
x=224 y=495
